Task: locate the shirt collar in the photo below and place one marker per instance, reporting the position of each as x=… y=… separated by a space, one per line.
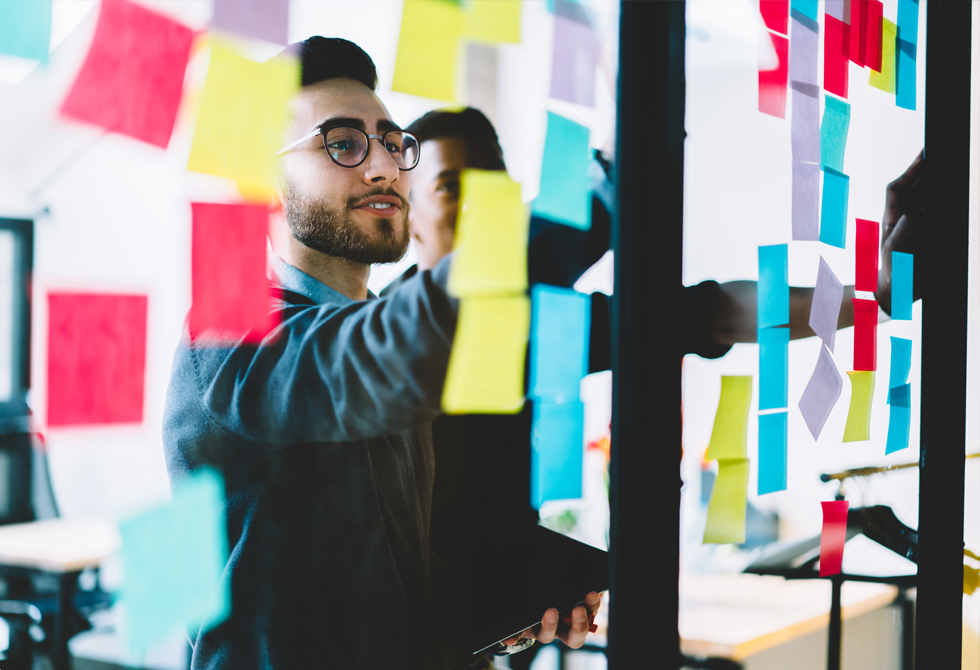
x=296 y=280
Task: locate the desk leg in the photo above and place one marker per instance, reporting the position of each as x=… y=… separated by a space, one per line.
x=908 y=629
x=67 y=584
x=835 y=629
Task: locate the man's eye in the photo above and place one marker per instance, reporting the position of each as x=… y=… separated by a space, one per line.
x=448 y=188
x=393 y=148
x=341 y=147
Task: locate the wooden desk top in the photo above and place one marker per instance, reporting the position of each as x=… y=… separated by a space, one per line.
x=59 y=545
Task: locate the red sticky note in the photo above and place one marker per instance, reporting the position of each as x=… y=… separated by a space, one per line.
x=865 y=334
x=872 y=26
x=859 y=35
x=775 y=13
x=230 y=292
x=832 y=536
x=132 y=78
x=866 y=256
x=836 y=64
x=772 y=83
x=96 y=358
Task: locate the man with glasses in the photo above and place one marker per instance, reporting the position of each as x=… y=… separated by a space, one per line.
x=322 y=430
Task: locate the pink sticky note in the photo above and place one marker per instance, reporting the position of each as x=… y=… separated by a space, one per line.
x=866 y=256
x=230 y=292
x=833 y=534
x=772 y=83
x=872 y=45
x=775 y=13
x=865 y=334
x=837 y=36
x=96 y=358
x=859 y=35
x=132 y=78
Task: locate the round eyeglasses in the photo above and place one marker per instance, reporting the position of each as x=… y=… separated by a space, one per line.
x=348 y=147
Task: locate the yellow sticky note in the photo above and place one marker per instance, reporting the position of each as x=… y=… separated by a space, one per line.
x=726 y=511
x=885 y=80
x=858 y=426
x=731 y=419
x=491 y=236
x=428 y=42
x=486 y=366
x=493 y=21
x=240 y=123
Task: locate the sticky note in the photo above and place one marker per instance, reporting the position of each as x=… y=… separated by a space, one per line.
x=773 y=286
x=262 y=19
x=773 y=367
x=174 y=557
x=775 y=14
x=731 y=419
x=833 y=209
x=865 y=334
x=25 y=28
x=833 y=534
x=573 y=63
x=833 y=132
x=866 y=256
x=560 y=321
x=486 y=365
x=858 y=426
x=837 y=36
x=726 y=510
x=428 y=41
x=872 y=44
x=241 y=117
x=564 y=194
x=132 y=78
x=908 y=20
x=825 y=305
x=229 y=289
x=772 y=452
x=804 y=40
x=884 y=79
x=902 y=270
x=493 y=21
x=96 y=358
x=899 y=427
x=905 y=75
x=806 y=201
x=772 y=83
x=859 y=34
x=491 y=236
x=900 y=395
x=821 y=393
x=805 y=123
x=901 y=362
x=835 y=9
x=807 y=8
x=557 y=451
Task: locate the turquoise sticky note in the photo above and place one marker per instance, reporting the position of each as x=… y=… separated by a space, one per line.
x=807 y=8
x=560 y=320
x=25 y=28
x=901 y=362
x=905 y=74
x=833 y=209
x=899 y=423
x=557 y=451
x=173 y=558
x=564 y=195
x=772 y=452
x=902 y=267
x=833 y=132
x=773 y=367
x=900 y=395
x=908 y=20
x=773 y=286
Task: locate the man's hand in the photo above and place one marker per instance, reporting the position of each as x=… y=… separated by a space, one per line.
x=551 y=625
x=899 y=226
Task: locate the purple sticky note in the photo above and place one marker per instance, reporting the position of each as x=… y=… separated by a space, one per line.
x=806 y=201
x=804 y=43
x=825 y=306
x=262 y=19
x=573 y=64
x=805 y=123
x=821 y=393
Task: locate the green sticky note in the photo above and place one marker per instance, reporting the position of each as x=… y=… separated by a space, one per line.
x=493 y=21
x=486 y=365
x=731 y=419
x=858 y=426
x=491 y=236
x=428 y=41
x=726 y=511
x=564 y=195
x=885 y=80
x=25 y=28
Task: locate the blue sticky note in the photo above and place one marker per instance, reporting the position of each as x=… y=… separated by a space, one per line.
x=900 y=395
x=564 y=194
x=25 y=28
x=905 y=74
x=833 y=132
x=807 y=8
x=908 y=20
x=173 y=560
x=899 y=423
x=901 y=362
x=902 y=266
x=773 y=368
x=560 y=320
x=557 y=451
x=773 y=286
x=833 y=209
x=772 y=452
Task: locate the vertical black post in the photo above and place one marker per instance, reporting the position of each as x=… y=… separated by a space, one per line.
x=941 y=271
x=834 y=630
x=646 y=358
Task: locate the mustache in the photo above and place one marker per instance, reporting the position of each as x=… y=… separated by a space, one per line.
x=353 y=200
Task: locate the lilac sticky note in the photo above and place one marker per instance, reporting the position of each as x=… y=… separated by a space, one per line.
x=835 y=8
x=825 y=306
x=821 y=393
x=805 y=123
x=806 y=201
x=262 y=19
x=803 y=47
x=573 y=63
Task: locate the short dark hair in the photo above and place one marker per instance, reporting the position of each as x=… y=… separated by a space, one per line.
x=324 y=58
x=468 y=123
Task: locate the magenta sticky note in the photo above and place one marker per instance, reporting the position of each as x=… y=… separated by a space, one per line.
x=866 y=256
x=772 y=83
x=865 y=334
x=833 y=534
x=775 y=14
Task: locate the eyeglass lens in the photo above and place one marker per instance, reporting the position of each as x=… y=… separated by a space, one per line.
x=349 y=147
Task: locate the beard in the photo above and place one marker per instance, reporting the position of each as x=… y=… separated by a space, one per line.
x=330 y=230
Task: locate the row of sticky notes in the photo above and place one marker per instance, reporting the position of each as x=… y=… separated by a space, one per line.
x=773 y=336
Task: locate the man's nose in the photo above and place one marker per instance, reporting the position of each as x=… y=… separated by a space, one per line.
x=379 y=165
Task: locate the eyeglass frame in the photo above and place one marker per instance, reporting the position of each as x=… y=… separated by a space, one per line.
x=322 y=130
